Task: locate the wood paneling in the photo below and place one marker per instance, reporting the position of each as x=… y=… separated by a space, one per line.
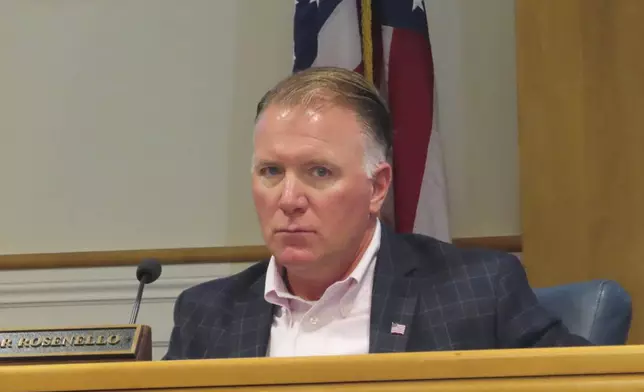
x=580 y=75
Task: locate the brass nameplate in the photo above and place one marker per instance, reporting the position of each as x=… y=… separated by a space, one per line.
x=108 y=341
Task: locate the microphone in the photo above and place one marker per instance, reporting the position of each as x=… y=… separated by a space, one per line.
x=148 y=271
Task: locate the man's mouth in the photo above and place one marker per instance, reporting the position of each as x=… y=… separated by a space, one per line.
x=294 y=230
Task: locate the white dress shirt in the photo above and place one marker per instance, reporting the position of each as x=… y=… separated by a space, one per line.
x=336 y=324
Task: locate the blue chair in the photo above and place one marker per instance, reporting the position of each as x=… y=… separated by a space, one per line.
x=598 y=310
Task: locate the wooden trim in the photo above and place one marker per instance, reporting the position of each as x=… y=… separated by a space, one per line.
x=223 y=254
x=614 y=368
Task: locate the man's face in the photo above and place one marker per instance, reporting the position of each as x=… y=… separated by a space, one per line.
x=312 y=195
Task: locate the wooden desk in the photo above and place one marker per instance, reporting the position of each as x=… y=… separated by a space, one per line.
x=561 y=369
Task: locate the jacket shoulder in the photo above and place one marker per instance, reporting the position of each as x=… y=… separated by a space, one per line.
x=218 y=289
x=439 y=255
x=209 y=302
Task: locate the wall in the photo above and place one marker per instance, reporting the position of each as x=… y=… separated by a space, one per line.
x=126 y=125
x=474 y=52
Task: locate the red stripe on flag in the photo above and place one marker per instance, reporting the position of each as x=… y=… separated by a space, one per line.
x=411 y=101
x=360 y=68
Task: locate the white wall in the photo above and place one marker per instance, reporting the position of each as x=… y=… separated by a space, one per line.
x=473 y=44
x=127 y=125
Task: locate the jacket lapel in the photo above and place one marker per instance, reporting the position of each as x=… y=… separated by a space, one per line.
x=394 y=297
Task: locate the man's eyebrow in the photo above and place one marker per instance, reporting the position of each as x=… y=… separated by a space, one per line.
x=317 y=161
x=310 y=162
x=264 y=162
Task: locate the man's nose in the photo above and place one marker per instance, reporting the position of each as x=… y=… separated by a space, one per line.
x=292 y=200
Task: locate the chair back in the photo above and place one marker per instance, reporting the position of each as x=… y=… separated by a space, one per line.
x=597 y=310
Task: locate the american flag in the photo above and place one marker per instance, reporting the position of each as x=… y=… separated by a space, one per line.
x=330 y=33
x=398 y=329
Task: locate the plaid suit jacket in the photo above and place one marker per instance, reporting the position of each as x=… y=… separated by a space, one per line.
x=448 y=299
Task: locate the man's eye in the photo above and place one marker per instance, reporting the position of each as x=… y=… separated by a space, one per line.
x=269 y=171
x=321 y=171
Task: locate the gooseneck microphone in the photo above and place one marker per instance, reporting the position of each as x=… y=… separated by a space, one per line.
x=148 y=271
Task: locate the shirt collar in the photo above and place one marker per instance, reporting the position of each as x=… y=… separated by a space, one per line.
x=275 y=290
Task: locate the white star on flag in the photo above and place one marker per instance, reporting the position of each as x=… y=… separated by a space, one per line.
x=418 y=4
x=315 y=1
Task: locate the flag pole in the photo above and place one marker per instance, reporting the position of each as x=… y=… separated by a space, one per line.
x=367 y=39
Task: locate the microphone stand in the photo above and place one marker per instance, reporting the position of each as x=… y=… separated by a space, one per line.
x=137 y=301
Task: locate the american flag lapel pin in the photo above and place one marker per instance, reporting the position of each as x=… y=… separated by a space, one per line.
x=398 y=329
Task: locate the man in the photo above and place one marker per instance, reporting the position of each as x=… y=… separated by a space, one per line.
x=340 y=281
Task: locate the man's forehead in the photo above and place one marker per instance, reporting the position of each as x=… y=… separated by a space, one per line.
x=304 y=124
x=296 y=149
x=312 y=113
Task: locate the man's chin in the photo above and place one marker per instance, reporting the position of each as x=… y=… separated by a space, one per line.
x=295 y=256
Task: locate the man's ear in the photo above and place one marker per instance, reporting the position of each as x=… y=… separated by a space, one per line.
x=381 y=181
